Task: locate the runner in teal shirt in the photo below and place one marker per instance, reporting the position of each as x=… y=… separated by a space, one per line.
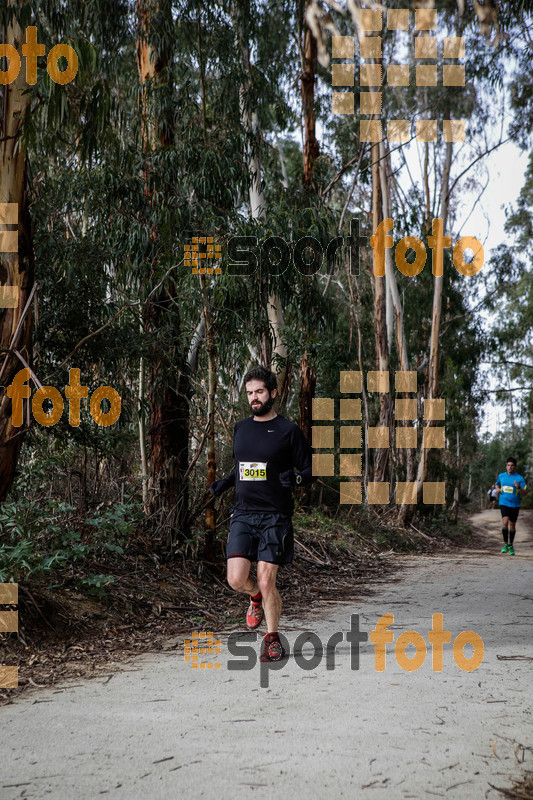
x=511 y=488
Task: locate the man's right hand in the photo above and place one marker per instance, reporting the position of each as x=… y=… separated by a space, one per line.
x=219 y=487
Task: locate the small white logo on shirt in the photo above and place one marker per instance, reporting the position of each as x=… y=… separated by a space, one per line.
x=270 y=431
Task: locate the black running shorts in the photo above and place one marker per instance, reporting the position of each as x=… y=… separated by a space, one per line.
x=510 y=511
x=261 y=536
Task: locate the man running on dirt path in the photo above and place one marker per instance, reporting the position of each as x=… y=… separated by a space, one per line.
x=511 y=488
x=492 y=494
x=266 y=448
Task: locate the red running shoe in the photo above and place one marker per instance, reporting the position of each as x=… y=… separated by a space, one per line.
x=272 y=650
x=254 y=615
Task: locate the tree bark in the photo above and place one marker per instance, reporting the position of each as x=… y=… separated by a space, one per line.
x=168 y=398
x=309 y=66
x=142 y=436
x=250 y=124
x=210 y=521
x=396 y=303
x=381 y=455
x=16 y=269
x=433 y=364
x=305 y=399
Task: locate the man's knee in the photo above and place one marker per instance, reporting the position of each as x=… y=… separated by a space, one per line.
x=237 y=576
x=236 y=582
x=266 y=582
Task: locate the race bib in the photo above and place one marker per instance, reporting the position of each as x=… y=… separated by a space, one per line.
x=252 y=471
x=508 y=489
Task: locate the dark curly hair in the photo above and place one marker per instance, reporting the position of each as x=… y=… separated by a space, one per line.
x=262 y=374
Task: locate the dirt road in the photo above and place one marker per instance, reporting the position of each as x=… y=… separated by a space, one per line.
x=156 y=728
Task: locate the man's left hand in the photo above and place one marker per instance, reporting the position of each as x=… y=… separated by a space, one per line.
x=287 y=479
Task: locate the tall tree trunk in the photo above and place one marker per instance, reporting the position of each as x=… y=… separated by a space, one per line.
x=305 y=408
x=433 y=364
x=168 y=394
x=355 y=306
x=239 y=11
x=310 y=154
x=142 y=436
x=17 y=269
x=210 y=522
x=396 y=303
x=305 y=399
x=381 y=455
x=309 y=66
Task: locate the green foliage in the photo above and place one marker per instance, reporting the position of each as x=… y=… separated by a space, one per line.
x=96 y=585
x=44 y=540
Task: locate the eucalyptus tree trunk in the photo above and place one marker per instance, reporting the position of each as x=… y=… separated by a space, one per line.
x=379 y=292
x=379 y=288
x=210 y=521
x=308 y=79
x=168 y=397
x=305 y=398
x=142 y=436
x=17 y=268
x=308 y=54
x=240 y=11
x=396 y=303
x=432 y=385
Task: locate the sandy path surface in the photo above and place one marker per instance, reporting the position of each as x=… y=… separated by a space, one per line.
x=158 y=729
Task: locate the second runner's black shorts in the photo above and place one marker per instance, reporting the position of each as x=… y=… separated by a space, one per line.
x=261 y=536
x=510 y=511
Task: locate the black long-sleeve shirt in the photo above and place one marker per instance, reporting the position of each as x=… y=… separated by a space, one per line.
x=261 y=451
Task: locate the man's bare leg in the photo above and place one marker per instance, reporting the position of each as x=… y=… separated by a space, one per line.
x=238 y=574
x=266 y=579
